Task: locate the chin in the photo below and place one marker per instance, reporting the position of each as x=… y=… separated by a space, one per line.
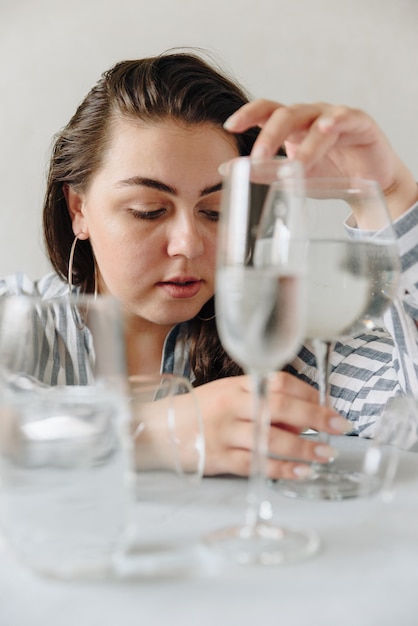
x=171 y=320
x=176 y=320
x=160 y=316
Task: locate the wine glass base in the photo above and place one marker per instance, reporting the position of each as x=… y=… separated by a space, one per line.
x=326 y=485
x=264 y=544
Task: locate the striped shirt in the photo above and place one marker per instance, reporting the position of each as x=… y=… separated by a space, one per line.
x=366 y=370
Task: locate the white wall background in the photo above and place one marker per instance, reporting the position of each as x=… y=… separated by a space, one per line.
x=358 y=52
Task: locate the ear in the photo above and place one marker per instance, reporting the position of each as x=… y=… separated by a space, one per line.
x=75 y=203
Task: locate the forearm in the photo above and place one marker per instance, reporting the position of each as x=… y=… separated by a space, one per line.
x=402 y=193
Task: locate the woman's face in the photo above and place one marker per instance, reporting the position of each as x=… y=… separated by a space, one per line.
x=151 y=214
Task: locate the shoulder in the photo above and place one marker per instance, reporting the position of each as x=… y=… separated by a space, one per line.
x=19 y=283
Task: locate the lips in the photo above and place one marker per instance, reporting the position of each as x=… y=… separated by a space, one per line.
x=181 y=287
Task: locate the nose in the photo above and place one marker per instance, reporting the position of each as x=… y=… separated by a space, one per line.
x=185 y=238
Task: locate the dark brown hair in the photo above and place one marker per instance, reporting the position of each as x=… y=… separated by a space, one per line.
x=178 y=85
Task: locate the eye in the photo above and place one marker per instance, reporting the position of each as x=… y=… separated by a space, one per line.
x=211 y=214
x=147 y=215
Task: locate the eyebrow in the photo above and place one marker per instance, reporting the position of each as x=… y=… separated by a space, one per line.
x=160 y=186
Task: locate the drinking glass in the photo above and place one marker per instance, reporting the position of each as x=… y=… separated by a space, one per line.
x=260 y=317
x=353 y=276
x=396 y=430
x=64 y=420
x=168 y=461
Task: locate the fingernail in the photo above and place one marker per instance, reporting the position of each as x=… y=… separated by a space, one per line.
x=326 y=452
x=302 y=471
x=324 y=123
x=341 y=425
x=229 y=123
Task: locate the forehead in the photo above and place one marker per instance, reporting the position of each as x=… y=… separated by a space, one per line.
x=164 y=148
x=122 y=126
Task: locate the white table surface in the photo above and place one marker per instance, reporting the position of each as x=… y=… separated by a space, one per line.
x=366 y=573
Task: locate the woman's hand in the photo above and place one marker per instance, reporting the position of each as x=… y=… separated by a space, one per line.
x=226 y=407
x=330 y=141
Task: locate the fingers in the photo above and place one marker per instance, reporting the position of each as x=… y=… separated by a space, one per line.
x=254 y=113
x=283 y=445
x=289 y=455
x=301 y=415
x=276 y=120
x=287 y=446
x=334 y=127
x=291 y=125
x=285 y=383
x=309 y=131
x=329 y=140
x=229 y=428
x=240 y=460
x=294 y=404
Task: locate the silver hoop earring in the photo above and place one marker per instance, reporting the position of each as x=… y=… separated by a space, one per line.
x=206 y=319
x=70 y=268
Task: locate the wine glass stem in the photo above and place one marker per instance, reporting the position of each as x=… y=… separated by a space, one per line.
x=259 y=506
x=323 y=350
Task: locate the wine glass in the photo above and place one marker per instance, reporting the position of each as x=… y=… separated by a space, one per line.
x=260 y=310
x=353 y=273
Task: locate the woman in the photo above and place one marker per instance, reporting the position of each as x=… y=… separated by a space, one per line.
x=131 y=209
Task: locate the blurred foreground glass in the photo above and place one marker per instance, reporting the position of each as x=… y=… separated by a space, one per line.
x=63 y=422
x=168 y=452
x=260 y=310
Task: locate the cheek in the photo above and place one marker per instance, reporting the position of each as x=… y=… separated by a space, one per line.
x=211 y=248
x=121 y=251
x=132 y=254
x=210 y=260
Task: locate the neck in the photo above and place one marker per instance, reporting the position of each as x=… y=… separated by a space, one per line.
x=144 y=346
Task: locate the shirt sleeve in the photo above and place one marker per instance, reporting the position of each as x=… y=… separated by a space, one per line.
x=18 y=284
x=402 y=317
x=49 y=286
x=61 y=350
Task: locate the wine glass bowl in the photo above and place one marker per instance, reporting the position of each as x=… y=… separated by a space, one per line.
x=352 y=273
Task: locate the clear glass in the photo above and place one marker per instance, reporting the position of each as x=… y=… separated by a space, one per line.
x=63 y=422
x=168 y=461
x=353 y=274
x=167 y=427
x=396 y=430
x=260 y=305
